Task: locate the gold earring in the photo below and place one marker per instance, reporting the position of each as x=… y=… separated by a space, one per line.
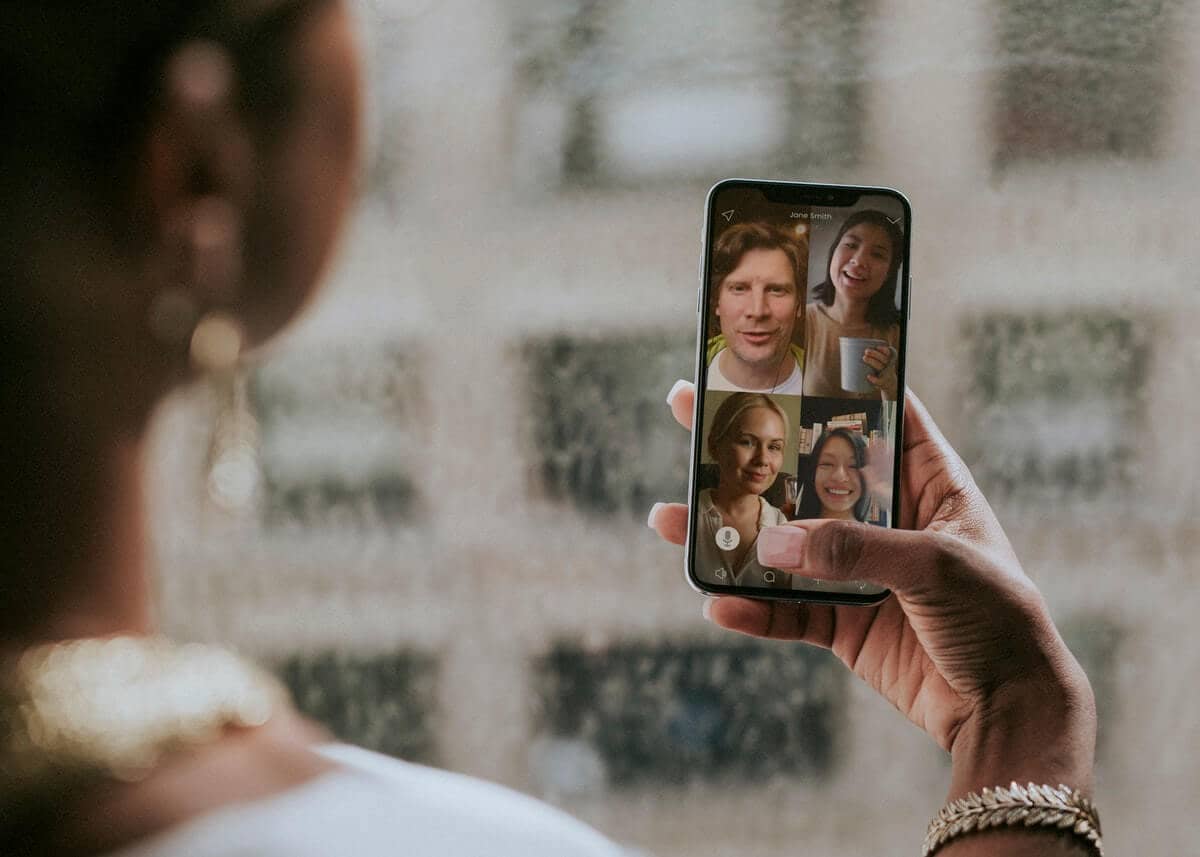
x=216 y=343
x=190 y=315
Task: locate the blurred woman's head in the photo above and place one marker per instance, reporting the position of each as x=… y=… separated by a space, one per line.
x=835 y=486
x=167 y=169
x=747 y=439
x=162 y=162
x=864 y=265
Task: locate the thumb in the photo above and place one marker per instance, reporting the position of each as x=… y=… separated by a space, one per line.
x=901 y=560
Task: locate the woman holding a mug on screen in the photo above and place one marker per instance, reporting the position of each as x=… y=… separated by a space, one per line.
x=854 y=310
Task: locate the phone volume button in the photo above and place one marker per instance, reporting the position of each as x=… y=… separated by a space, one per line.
x=697 y=300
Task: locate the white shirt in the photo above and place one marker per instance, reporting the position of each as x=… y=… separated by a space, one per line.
x=793 y=385
x=374 y=806
x=712 y=565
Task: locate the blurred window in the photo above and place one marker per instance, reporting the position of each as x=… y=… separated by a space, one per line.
x=625 y=92
x=1056 y=399
x=598 y=434
x=1095 y=640
x=385 y=703
x=1082 y=78
x=675 y=712
x=339 y=435
x=386 y=33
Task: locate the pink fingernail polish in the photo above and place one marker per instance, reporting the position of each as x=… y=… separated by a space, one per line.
x=782 y=547
x=675 y=388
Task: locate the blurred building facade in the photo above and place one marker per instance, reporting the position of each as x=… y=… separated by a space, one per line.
x=426 y=505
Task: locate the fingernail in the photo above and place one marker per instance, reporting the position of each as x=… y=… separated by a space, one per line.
x=706 y=609
x=653 y=514
x=782 y=547
x=679 y=385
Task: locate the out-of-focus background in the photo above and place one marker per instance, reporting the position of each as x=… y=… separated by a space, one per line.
x=426 y=505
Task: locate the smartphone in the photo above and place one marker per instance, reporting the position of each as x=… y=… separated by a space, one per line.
x=803 y=322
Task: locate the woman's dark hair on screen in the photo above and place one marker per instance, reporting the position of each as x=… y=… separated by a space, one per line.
x=809 y=506
x=881 y=310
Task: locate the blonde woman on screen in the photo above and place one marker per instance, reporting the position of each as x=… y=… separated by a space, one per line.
x=747 y=438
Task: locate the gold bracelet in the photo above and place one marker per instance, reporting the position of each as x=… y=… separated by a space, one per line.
x=1032 y=805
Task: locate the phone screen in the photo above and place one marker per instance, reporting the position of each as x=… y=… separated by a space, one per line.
x=804 y=301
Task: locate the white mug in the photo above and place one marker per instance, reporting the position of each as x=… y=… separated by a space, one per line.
x=854 y=370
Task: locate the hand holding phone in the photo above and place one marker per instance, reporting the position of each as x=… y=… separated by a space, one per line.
x=965 y=648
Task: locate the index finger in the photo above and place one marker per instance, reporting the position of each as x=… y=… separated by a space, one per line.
x=919 y=427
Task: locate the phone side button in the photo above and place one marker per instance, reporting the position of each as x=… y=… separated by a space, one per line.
x=697 y=300
x=910 y=297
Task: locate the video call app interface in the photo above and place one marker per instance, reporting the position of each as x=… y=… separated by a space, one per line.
x=801 y=373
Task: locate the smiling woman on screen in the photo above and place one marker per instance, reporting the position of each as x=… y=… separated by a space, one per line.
x=857 y=298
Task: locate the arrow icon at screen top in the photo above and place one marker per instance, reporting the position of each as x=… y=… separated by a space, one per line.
x=728 y=215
